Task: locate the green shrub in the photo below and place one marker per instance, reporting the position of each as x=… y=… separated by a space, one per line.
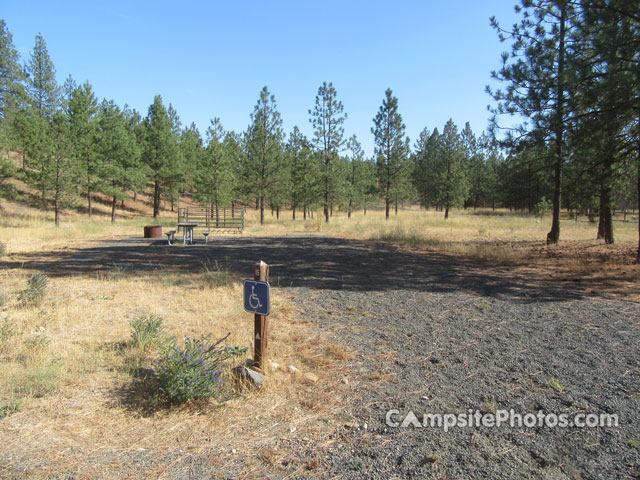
x=3 y=249
x=148 y=331
x=192 y=371
x=35 y=291
x=542 y=207
x=216 y=276
x=7 y=410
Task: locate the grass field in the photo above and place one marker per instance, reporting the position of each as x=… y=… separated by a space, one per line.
x=64 y=375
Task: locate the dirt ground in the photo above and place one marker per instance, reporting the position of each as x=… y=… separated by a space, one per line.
x=557 y=331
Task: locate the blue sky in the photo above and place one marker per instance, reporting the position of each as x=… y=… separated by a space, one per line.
x=210 y=59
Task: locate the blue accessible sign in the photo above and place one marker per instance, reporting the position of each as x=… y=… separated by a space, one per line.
x=256 y=297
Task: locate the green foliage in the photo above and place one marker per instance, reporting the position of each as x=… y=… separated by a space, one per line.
x=556 y=385
x=118 y=164
x=450 y=183
x=192 y=371
x=357 y=465
x=391 y=152
x=3 y=249
x=161 y=152
x=82 y=108
x=360 y=184
x=215 y=178
x=147 y=332
x=36 y=289
x=305 y=172
x=9 y=409
x=216 y=275
x=264 y=169
x=542 y=207
x=327 y=118
x=43 y=89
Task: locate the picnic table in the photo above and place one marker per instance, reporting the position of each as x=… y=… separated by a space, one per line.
x=187 y=231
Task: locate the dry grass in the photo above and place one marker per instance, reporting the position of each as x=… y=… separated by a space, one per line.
x=64 y=365
x=429 y=228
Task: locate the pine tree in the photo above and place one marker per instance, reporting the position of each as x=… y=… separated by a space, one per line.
x=423 y=175
x=119 y=164
x=82 y=108
x=12 y=93
x=391 y=152
x=192 y=149
x=215 y=178
x=161 y=153
x=450 y=179
x=305 y=173
x=327 y=118
x=539 y=83
x=42 y=87
x=63 y=169
x=263 y=162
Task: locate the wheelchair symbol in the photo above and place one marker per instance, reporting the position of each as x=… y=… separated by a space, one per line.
x=254 y=301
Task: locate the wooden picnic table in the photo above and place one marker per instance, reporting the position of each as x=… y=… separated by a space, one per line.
x=187 y=231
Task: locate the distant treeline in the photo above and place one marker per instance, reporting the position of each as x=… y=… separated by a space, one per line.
x=572 y=79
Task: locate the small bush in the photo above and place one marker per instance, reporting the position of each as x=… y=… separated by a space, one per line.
x=542 y=207
x=3 y=249
x=191 y=372
x=35 y=291
x=216 y=276
x=148 y=331
x=556 y=385
x=7 y=410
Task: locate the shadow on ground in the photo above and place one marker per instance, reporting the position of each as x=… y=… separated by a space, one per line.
x=305 y=261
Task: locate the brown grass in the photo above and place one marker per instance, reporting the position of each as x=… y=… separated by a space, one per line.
x=64 y=365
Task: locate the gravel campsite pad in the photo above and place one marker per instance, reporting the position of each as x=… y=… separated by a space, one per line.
x=425 y=352
x=436 y=336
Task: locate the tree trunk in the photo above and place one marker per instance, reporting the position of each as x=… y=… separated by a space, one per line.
x=605 y=224
x=113 y=209
x=326 y=207
x=89 y=198
x=396 y=206
x=554 y=234
x=304 y=214
x=294 y=212
x=365 y=211
x=446 y=213
x=56 y=205
x=156 y=199
x=261 y=210
x=638 y=172
x=277 y=213
x=386 y=209
x=135 y=197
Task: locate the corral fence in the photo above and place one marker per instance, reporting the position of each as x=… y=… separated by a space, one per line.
x=214 y=218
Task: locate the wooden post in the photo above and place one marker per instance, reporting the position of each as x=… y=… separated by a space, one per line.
x=260 y=273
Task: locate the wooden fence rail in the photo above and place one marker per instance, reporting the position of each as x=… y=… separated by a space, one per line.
x=224 y=218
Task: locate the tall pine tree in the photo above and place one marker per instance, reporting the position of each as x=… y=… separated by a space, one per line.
x=391 y=152
x=327 y=118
